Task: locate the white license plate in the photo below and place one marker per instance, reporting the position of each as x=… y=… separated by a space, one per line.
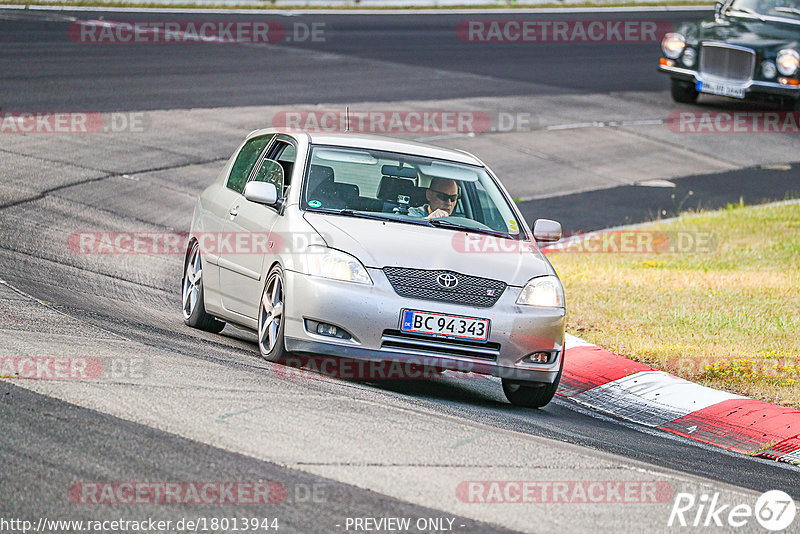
x=444 y=325
x=721 y=89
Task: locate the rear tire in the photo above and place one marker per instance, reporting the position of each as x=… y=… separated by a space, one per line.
x=531 y=396
x=194 y=310
x=683 y=92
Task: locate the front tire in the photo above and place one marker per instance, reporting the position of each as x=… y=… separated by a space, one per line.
x=194 y=310
x=271 y=317
x=531 y=396
x=683 y=92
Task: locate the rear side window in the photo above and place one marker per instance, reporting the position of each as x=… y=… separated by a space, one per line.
x=245 y=161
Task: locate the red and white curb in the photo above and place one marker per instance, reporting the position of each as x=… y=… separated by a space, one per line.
x=610 y=383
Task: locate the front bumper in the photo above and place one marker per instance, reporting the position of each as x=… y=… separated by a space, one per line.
x=371 y=315
x=753 y=87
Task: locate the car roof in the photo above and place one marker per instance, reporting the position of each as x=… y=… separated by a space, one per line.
x=378 y=142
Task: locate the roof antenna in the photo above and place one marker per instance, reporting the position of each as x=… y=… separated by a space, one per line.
x=347 y=118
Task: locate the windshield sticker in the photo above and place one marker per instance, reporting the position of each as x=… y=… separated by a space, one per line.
x=512 y=225
x=314 y=204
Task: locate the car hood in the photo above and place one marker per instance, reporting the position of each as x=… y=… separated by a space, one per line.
x=760 y=36
x=378 y=244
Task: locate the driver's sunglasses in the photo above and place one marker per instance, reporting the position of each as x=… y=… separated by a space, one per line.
x=444 y=197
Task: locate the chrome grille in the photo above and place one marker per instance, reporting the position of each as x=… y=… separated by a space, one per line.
x=732 y=64
x=421 y=284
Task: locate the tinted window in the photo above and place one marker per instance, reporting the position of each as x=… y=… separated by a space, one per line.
x=285 y=154
x=271 y=172
x=243 y=165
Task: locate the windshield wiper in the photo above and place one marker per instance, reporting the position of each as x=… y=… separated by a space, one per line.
x=367 y=215
x=749 y=11
x=441 y=223
x=361 y=214
x=792 y=10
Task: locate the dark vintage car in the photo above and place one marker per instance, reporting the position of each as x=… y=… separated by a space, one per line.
x=751 y=50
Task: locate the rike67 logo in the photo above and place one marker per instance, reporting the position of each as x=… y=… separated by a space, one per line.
x=774 y=510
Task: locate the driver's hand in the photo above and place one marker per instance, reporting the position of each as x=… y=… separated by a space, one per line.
x=438 y=213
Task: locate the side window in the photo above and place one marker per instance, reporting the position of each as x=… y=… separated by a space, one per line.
x=245 y=161
x=284 y=155
x=271 y=172
x=286 y=159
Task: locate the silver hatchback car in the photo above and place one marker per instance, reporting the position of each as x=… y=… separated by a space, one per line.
x=370 y=249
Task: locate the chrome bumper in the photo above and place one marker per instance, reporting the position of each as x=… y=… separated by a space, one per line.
x=753 y=86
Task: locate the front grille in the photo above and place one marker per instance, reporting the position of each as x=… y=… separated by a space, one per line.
x=394 y=339
x=732 y=64
x=422 y=284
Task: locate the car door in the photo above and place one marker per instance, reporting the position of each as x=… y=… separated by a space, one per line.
x=248 y=228
x=215 y=208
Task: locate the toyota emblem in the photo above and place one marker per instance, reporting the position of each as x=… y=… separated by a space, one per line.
x=447 y=280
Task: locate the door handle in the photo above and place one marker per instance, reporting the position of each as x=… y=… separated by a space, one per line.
x=234 y=211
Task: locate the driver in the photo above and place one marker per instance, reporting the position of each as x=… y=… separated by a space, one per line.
x=442 y=195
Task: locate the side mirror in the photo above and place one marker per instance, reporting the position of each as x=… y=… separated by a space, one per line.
x=261 y=193
x=546 y=231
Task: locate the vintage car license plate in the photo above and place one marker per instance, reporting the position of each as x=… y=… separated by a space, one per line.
x=722 y=89
x=444 y=325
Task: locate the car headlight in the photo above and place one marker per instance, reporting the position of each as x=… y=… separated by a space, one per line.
x=788 y=61
x=673 y=44
x=334 y=264
x=542 y=291
x=768 y=69
x=689 y=57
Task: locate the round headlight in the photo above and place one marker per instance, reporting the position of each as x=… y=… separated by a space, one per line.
x=689 y=57
x=673 y=44
x=788 y=61
x=768 y=69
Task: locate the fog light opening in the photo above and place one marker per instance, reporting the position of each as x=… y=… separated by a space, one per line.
x=327 y=330
x=538 y=357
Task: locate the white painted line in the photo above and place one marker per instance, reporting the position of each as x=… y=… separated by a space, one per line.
x=652 y=398
x=656 y=183
x=570 y=342
x=443 y=136
x=606 y=124
x=792 y=457
x=294 y=12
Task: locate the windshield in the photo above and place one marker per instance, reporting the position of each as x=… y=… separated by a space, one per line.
x=410 y=189
x=772 y=8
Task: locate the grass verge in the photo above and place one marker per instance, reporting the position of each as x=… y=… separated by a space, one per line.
x=726 y=315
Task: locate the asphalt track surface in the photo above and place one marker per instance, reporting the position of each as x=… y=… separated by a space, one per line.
x=47 y=443
x=43 y=69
